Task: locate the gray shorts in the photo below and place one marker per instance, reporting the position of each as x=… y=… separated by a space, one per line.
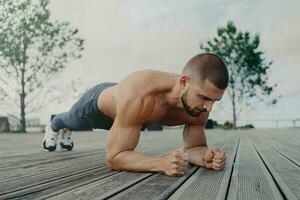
x=85 y=114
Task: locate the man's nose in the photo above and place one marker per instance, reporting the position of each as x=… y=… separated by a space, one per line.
x=208 y=106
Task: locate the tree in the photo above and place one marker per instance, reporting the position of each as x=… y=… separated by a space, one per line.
x=2 y=94
x=248 y=69
x=33 y=47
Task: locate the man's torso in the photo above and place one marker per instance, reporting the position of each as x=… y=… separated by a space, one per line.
x=162 y=113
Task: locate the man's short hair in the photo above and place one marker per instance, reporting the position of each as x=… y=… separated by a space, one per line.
x=208 y=66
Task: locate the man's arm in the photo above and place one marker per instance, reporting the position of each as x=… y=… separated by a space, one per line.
x=120 y=154
x=196 y=146
x=134 y=106
x=195 y=143
x=124 y=134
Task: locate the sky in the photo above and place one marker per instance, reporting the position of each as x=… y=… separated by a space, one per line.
x=129 y=35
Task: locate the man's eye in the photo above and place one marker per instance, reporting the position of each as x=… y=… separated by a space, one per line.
x=202 y=97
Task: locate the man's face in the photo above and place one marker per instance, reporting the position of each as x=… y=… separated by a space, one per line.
x=200 y=98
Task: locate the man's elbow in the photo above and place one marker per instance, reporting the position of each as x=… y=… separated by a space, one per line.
x=111 y=162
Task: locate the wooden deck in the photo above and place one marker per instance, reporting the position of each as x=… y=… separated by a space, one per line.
x=262 y=164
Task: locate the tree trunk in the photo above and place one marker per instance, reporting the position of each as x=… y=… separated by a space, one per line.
x=234 y=110
x=22 y=99
x=23 y=94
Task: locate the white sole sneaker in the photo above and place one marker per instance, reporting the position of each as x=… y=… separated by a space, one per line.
x=67 y=140
x=50 y=138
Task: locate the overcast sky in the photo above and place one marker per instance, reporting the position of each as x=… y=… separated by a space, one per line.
x=128 y=35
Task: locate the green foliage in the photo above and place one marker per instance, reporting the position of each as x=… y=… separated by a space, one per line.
x=31 y=42
x=2 y=94
x=33 y=47
x=247 y=126
x=227 y=125
x=248 y=69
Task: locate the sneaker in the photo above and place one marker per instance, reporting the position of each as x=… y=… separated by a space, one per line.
x=67 y=140
x=49 y=141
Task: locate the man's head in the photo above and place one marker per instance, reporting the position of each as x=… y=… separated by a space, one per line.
x=203 y=81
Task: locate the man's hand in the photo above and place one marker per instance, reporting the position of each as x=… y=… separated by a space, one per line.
x=214 y=158
x=176 y=162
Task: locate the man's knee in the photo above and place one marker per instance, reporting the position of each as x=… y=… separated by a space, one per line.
x=57 y=122
x=52 y=116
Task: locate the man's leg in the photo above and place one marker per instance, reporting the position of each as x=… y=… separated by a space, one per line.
x=75 y=119
x=84 y=115
x=65 y=123
x=68 y=121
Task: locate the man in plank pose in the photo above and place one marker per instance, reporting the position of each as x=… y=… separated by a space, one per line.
x=146 y=97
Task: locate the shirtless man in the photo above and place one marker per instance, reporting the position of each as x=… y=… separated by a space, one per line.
x=145 y=97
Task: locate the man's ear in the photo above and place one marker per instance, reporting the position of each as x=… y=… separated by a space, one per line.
x=184 y=81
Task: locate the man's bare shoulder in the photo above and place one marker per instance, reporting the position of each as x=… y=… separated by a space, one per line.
x=149 y=72
x=150 y=75
x=136 y=99
x=147 y=81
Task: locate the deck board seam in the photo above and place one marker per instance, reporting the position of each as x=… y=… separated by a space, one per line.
x=219 y=196
x=284 y=190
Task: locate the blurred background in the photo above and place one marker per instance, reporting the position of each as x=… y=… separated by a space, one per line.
x=53 y=51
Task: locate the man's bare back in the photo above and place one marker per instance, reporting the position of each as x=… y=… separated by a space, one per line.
x=151 y=86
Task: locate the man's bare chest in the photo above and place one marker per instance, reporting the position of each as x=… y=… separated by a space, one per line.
x=166 y=116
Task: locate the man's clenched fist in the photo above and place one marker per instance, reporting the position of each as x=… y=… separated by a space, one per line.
x=176 y=162
x=214 y=158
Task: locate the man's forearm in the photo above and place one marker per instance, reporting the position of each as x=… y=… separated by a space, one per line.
x=136 y=162
x=196 y=154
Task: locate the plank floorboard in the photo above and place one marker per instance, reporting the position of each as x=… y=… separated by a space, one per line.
x=261 y=164
x=209 y=184
x=282 y=170
x=250 y=179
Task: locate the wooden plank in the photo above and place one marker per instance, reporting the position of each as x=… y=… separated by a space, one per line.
x=44 y=162
x=41 y=158
x=110 y=185
x=39 y=187
x=46 y=181
x=159 y=186
x=57 y=181
x=19 y=145
x=209 y=184
x=291 y=154
x=120 y=181
x=257 y=173
x=282 y=146
x=250 y=179
x=40 y=179
x=283 y=171
x=289 y=137
x=49 y=166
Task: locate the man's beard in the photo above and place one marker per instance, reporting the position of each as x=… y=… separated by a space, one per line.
x=188 y=109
